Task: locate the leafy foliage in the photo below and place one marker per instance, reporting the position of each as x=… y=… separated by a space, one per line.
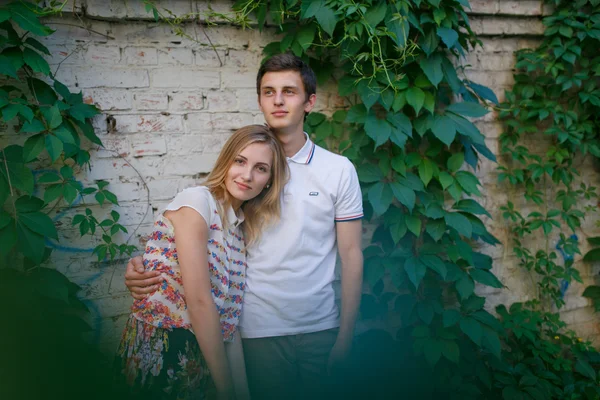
x=47 y=320
x=554 y=96
x=554 y=101
x=549 y=362
x=54 y=120
x=47 y=355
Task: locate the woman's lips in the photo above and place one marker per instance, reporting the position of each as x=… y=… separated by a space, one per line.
x=242 y=186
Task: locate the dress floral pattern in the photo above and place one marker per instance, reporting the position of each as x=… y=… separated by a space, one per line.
x=162 y=364
x=166 y=307
x=159 y=327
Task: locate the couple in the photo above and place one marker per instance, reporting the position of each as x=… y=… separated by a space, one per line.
x=294 y=205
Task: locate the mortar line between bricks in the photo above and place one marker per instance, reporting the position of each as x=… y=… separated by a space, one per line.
x=509 y=35
x=508 y=16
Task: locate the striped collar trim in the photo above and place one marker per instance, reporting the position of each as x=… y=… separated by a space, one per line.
x=306 y=153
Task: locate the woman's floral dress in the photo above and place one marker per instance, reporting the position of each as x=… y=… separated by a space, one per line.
x=159 y=356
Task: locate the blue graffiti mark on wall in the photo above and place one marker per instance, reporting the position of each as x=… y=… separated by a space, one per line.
x=564 y=284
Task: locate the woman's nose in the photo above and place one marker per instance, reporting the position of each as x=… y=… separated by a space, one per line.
x=247 y=174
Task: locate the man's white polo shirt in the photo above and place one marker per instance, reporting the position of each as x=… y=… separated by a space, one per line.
x=291 y=269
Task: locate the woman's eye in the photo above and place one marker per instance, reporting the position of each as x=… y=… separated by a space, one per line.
x=239 y=161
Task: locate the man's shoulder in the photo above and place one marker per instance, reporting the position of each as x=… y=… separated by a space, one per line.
x=331 y=159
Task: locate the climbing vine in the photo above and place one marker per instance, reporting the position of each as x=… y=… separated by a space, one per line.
x=551 y=121
x=49 y=132
x=555 y=101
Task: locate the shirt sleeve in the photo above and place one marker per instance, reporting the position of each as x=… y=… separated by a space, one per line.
x=196 y=198
x=348 y=205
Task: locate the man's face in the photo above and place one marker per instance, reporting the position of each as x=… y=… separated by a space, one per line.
x=282 y=100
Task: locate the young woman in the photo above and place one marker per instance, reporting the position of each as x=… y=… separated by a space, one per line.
x=180 y=341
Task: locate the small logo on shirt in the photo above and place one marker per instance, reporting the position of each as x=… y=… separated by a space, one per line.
x=313 y=194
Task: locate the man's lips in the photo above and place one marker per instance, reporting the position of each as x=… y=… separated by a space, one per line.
x=242 y=186
x=279 y=113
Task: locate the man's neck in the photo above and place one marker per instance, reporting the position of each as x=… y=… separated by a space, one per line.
x=292 y=141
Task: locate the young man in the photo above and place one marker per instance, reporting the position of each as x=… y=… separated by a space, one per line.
x=293 y=333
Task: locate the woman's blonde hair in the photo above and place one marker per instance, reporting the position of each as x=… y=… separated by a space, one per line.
x=265 y=208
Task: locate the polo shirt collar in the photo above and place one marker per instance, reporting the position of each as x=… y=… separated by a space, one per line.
x=306 y=153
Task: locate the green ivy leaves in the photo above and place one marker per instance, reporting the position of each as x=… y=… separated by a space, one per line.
x=23 y=14
x=432 y=67
x=322 y=12
x=53 y=119
x=444 y=129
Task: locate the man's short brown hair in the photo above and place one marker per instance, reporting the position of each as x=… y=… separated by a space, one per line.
x=289 y=62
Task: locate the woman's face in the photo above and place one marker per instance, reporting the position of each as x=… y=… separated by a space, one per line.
x=249 y=173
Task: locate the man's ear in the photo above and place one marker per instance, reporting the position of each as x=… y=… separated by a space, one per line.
x=310 y=103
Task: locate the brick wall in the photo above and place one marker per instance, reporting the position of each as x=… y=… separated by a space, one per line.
x=169 y=102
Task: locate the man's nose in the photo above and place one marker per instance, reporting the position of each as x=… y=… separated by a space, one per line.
x=278 y=98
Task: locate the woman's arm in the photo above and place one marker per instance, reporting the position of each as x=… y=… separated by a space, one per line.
x=191 y=237
x=235 y=356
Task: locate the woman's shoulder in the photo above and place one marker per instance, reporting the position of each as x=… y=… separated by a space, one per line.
x=195 y=194
x=195 y=191
x=198 y=198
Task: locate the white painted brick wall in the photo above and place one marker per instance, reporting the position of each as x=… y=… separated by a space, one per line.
x=102 y=54
x=190 y=165
x=148 y=123
x=148 y=146
x=117 y=77
x=198 y=122
x=174 y=102
x=237 y=79
x=175 y=55
x=119 y=9
x=221 y=100
x=209 y=58
x=247 y=99
x=151 y=101
x=230 y=121
x=140 y=56
x=113 y=147
x=181 y=77
x=109 y=99
x=182 y=101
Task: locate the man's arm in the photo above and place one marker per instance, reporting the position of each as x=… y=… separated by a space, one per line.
x=349 y=246
x=138 y=282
